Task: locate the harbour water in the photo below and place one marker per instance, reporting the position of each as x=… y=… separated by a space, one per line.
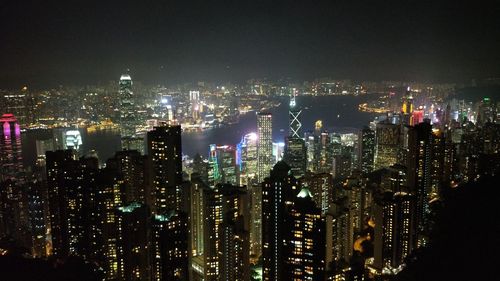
x=338 y=113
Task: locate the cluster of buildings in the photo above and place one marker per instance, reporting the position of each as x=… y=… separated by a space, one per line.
x=329 y=207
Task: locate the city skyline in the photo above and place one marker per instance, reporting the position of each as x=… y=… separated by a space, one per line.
x=249 y=140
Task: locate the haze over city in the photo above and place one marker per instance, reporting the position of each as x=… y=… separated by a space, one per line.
x=249 y=140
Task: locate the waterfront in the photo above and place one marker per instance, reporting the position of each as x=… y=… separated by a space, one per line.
x=336 y=112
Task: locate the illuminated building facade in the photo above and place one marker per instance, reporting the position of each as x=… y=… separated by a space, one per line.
x=235 y=238
x=128 y=118
x=278 y=191
x=82 y=204
x=295 y=148
x=165 y=156
x=305 y=240
x=321 y=188
x=295 y=156
x=170 y=246
x=264 y=145
x=367 y=150
x=295 y=119
x=387 y=144
x=246 y=158
x=419 y=158
x=394 y=231
x=20 y=104
x=133 y=242
x=131 y=165
x=223 y=167
x=11 y=159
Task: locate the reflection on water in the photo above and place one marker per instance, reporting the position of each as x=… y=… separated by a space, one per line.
x=338 y=113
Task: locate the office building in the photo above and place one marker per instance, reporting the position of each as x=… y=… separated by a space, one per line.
x=264 y=145
x=11 y=159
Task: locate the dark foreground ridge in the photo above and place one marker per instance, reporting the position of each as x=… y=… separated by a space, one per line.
x=464 y=243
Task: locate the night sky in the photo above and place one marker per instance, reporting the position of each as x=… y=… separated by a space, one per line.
x=45 y=43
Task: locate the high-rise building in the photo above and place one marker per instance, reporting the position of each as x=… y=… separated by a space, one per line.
x=226 y=234
x=128 y=118
x=235 y=244
x=194 y=99
x=295 y=119
x=197 y=215
x=304 y=240
x=73 y=195
x=10 y=149
x=170 y=246
x=394 y=231
x=165 y=156
x=419 y=173
x=264 y=145
x=367 y=149
x=20 y=104
x=387 y=144
x=15 y=212
x=223 y=167
x=295 y=148
x=278 y=191
x=133 y=254
x=131 y=165
x=321 y=188
x=246 y=158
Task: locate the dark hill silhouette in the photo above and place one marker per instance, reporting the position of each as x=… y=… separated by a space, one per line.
x=465 y=240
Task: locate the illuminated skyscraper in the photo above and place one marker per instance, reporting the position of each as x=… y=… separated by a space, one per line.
x=133 y=253
x=197 y=218
x=394 y=231
x=20 y=104
x=131 y=165
x=223 y=167
x=321 y=187
x=304 y=240
x=246 y=158
x=295 y=119
x=235 y=244
x=170 y=259
x=194 y=99
x=10 y=149
x=128 y=118
x=387 y=145
x=226 y=235
x=74 y=192
x=419 y=173
x=295 y=148
x=367 y=149
x=165 y=156
x=264 y=145
x=278 y=191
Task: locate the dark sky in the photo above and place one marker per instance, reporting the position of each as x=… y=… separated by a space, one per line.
x=45 y=43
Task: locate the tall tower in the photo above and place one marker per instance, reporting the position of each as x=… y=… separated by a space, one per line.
x=387 y=144
x=165 y=156
x=367 y=149
x=10 y=148
x=246 y=158
x=305 y=240
x=295 y=147
x=419 y=174
x=278 y=191
x=127 y=110
x=264 y=145
x=133 y=253
x=394 y=234
x=20 y=104
x=295 y=113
